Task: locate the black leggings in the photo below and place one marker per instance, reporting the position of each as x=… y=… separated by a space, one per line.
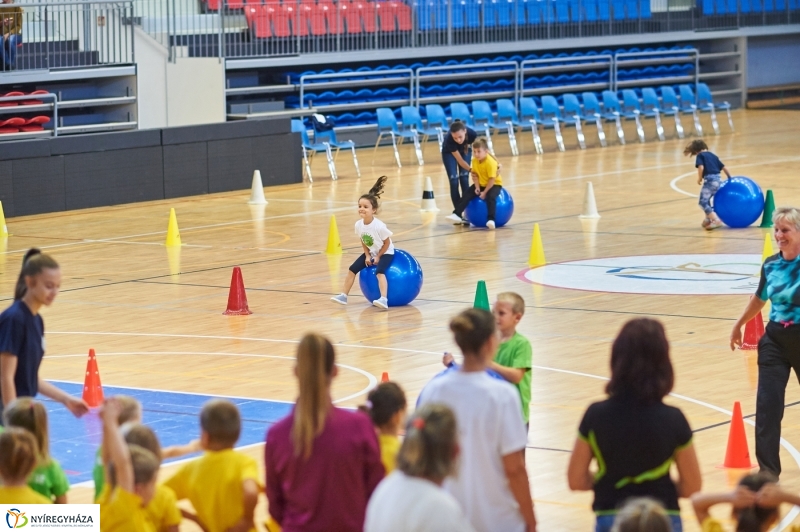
x=383 y=263
x=491 y=200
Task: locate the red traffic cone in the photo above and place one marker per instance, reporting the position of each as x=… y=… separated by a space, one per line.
x=737 y=456
x=753 y=332
x=237 y=298
x=92 y=389
x=385 y=377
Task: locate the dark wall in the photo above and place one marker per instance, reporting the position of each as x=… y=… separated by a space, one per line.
x=77 y=172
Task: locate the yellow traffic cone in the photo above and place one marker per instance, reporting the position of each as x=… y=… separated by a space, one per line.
x=3 y=226
x=173 y=234
x=768 y=252
x=334 y=244
x=537 y=250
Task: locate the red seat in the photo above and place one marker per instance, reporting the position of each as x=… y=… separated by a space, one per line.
x=35 y=124
x=259 y=19
x=351 y=16
x=299 y=23
x=35 y=102
x=11 y=125
x=313 y=16
x=251 y=3
x=332 y=16
x=280 y=21
x=386 y=16
x=367 y=13
x=403 y=14
x=213 y=5
x=234 y=4
x=12 y=104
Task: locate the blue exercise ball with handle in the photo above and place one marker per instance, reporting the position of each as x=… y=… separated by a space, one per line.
x=454 y=367
x=404 y=276
x=739 y=202
x=478 y=215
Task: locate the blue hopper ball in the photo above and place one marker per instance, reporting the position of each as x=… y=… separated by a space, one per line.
x=739 y=202
x=477 y=214
x=454 y=367
x=404 y=276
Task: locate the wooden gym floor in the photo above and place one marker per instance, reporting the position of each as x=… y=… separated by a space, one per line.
x=124 y=293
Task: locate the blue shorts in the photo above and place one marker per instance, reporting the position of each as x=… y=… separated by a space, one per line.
x=383 y=264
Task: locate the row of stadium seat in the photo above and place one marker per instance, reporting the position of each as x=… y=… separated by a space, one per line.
x=733 y=7
x=26 y=125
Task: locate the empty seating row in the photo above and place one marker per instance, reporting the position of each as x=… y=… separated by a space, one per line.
x=733 y=7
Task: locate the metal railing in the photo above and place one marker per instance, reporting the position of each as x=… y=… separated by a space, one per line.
x=67 y=35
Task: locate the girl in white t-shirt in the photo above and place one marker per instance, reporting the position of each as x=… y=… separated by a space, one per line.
x=377 y=243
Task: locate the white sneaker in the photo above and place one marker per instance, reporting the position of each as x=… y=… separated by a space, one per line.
x=454 y=218
x=490 y=225
x=381 y=303
x=341 y=299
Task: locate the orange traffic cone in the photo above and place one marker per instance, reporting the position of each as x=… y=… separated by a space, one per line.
x=737 y=456
x=385 y=377
x=753 y=332
x=237 y=298
x=92 y=389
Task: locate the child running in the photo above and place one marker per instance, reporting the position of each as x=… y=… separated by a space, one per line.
x=18 y=457
x=708 y=174
x=386 y=406
x=488 y=183
x=377 y=243
x=47 y=478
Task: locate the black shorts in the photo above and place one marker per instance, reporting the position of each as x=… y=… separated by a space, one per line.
x=383 y=264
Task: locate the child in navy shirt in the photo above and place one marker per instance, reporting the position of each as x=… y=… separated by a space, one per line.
x=709 y=168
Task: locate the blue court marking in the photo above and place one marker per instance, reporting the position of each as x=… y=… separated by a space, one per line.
x=173 y=416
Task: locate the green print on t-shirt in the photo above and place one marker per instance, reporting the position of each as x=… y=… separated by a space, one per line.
x=367 y=239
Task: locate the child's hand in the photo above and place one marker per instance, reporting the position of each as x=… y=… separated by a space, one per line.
x=700 y=181
x=769 y=496
x=111 y=410
x=483 y=195
x=448 y=360
x=743 y=497
x=369 y=261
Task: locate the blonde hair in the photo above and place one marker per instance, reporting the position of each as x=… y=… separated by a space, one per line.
x=480 y=142
x=130 y=409
x=429 y=448
x=513 y=299
x=315 y=361
x=787 y=214
x=220 y=419
x=642 y=515
x=18 y=454
x=31 y=415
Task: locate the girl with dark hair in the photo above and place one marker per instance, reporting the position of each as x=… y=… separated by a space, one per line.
x=386 y=407
x=754 y=503
x=22 y=343
x=492 y=483
x=322 y=462
x=412 y=499
x=633 y=436
x=377 y=244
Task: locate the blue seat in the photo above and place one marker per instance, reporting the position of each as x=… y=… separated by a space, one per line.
x=411 y=120
x=529 y=113
x=562 y=11
x=309 y=149
x=604 y=9
x=483 y=118
x=330 y=137
x=547 y=122
x=460 y=111
x=552 y=112
x=652 y=108
x=507 y=114
x=387 y=125
x=437 y=120
x=593 y=111
x=537 y=14
x=705 y=102
x=473 y=11
x=459 y=14
x=591 y=11
x=671 y=106
x=631 y=110
x=573 y=114
x=619 y=9
x=612 y=112
x=689 y=106
x=505 y=14
x=489 y=13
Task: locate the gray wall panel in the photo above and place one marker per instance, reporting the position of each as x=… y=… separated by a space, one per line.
x=279 y=159
x=7 y=188
x=230 y=165
x=185 y=170
x=38 y=185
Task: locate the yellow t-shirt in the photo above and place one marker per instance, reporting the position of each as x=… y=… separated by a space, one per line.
x=486 y=169
x=21 y=495
x=713 y=525
x=390 y=446
x=122 y=511
x=162 y=510
x=213 y=484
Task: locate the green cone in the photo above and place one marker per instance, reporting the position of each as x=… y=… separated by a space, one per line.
x=769 y=208
x=482 y=297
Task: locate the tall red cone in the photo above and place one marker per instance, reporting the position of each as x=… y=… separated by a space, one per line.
x=737 y=456
x=92 y=389
x=237 y=298
x=385 y=377
x=753 y=332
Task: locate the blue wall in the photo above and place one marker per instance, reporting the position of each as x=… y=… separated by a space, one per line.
x=773 y=60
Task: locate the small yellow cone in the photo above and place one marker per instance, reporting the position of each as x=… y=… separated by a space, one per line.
x=768 y=252
x=3 y=226
x=537 y=250
x=173 y=234
x=334 y=244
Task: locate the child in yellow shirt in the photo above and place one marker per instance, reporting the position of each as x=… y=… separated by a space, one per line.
x=222 y=485
x=18 y=457
x=487 y=184
x=131 y=473
x=386 y=406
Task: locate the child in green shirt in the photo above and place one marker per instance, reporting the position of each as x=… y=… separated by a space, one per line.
x=48 y=478
x=514 y=356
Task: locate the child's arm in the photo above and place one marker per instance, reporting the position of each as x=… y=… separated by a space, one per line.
x=727 y=173
x=384 y=247
x=741 y=497
x=118 y=452
x=250 y=499
x=700 y=174
x=773 y=495
x=489 y=185
x=61 y=499
x=460 y=161
x=579 y=476
x=512 y=375
x=174 y=451
x=189 y=516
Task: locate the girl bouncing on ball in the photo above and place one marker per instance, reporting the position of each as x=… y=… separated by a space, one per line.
x=709 y=168
x=377 y=243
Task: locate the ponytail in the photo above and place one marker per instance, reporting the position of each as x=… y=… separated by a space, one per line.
x=753 y=518
x=471 y=329
x=430 y=447
x=375 y=192
x=383 y=402
x=33 y=263
x=315 y=360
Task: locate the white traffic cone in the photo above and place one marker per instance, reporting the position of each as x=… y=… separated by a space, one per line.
x=589 y=204
x=428 y=201
x=257 y=190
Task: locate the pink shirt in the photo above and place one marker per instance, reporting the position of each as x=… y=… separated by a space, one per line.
x=330 y=490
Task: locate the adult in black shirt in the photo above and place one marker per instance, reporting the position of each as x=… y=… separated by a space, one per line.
x=633 y=436
x=457 y=156
x=22 y=335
